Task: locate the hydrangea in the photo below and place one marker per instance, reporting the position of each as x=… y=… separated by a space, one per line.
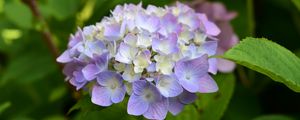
x=217 y=13
x=158 y=56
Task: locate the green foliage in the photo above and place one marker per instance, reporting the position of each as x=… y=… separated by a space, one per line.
x=33 y=63
x=268 y=58
x=4 y=106
x=19 y=14
x=62 y=9
x=57 y=93
x=90 y=111
x=297 y=4
x=273 y=117
x=190 y=112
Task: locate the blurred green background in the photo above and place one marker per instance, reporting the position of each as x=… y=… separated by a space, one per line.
x=32 y=86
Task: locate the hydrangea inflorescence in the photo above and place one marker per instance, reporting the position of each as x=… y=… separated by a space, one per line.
x=158 y=56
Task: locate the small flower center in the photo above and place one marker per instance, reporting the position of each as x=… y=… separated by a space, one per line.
x=187 y=77
x=148 y=95
x=113 y=84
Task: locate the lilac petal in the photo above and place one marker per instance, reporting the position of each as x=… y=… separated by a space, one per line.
x=126 y=53
x=207 y=85
x=102 y=61
x=71 y=67
x=166 y=46
x=186 y=97
x=144 y=40
x=153 y=23
x=78 y=80
x=210 y=47
x=142 y=61
x=169 y=25
x=76 y=38
x=129 y=74
x=168 y=86
x=213 y=65
x=130 y=39
x=189 y=19
x=90 y=71
x=190 y=72
x=77 y=84
x=157 y=110
x=118 y=94
x=139 y=86
x=96 y=47
x=175 y=106
x=91 y=48
x=112 y=31
x=101 y=96
x=198 y=65
x=225 y=66
x=107 y=77
x=149 y=23
x=210 y=27
x=64 y=57
x=137 y=105
x=151 y=67
x=189 y=85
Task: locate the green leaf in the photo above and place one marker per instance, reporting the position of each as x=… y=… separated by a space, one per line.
x=84 y=104
x=268 y=58
x=62 y=9
x=212 y=106
x=19 y=14
x=4 y=106
x=189 y=113
x=28 y=68
x=297 y=4
x=274 y=117
x=57 y=93
x=90 y=111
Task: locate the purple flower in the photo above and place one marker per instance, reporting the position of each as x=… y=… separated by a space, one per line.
x=158 y=56
x=217 y=13
x=168 y=85
x=74 y=74
x=177 y=103
x=169 y=25
x=71 y=53
x=126 y=53
x=98 y=65
x=147 y=22
x=113 y=31
x=165 y=46
x=147 y=101
x=193 y=76
x=110 y=89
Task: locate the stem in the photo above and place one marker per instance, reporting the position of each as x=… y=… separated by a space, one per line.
x=243 y=77
x=45 y=31
x=250 y=13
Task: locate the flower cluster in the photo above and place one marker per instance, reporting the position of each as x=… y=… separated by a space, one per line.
x=217 y=13
x=158 y=56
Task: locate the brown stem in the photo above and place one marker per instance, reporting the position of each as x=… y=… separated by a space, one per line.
x=243 y=77
x=45 y=31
